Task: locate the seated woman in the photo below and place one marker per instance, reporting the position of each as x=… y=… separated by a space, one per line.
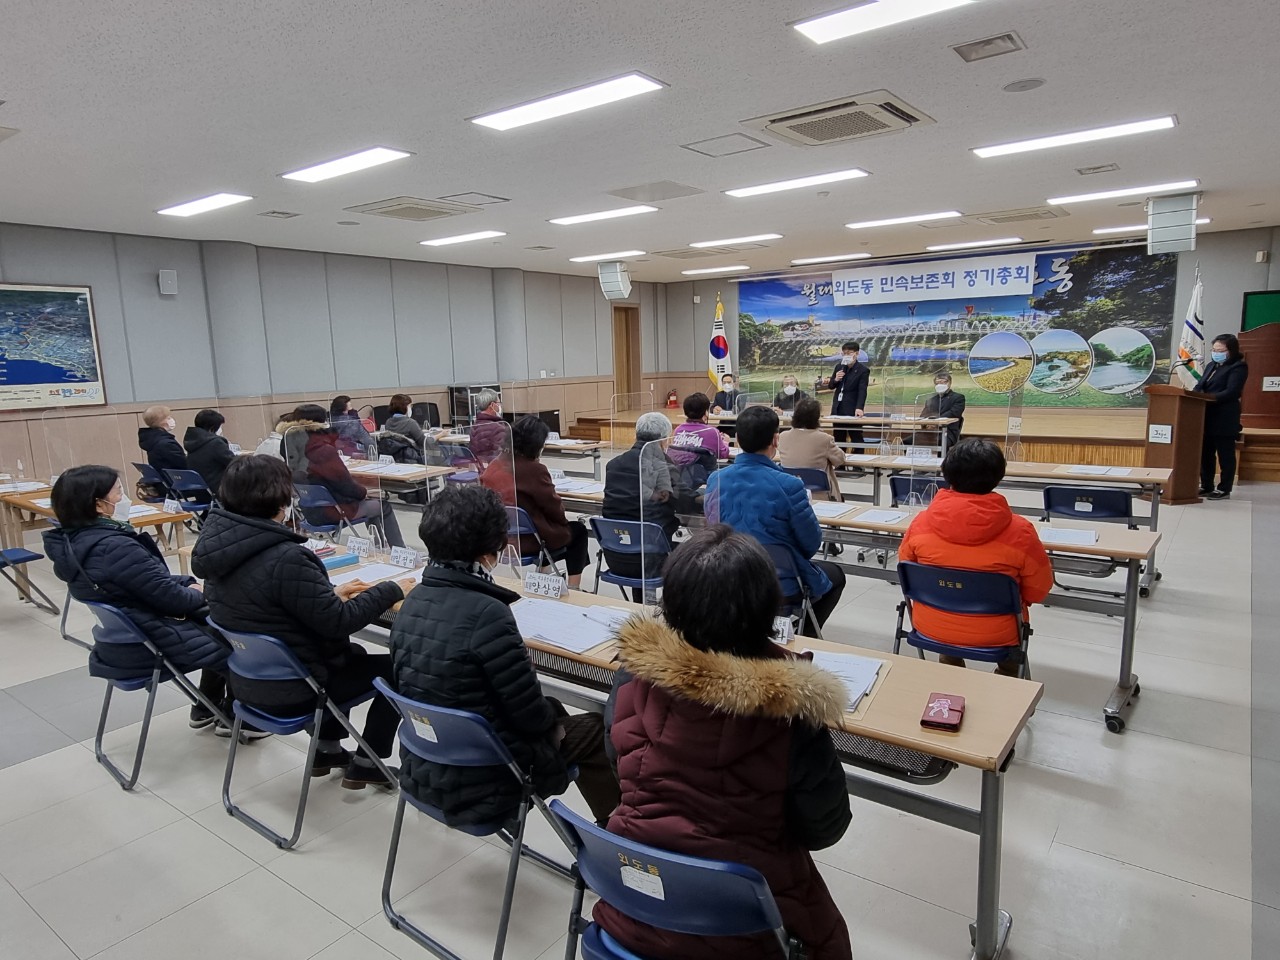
x=804 y=445
x=311 y=451
x=208 y=451
x=156 y=439
x=790 y=395
x=400 y=422
x=260 y=578
x=102 y=559
x=723 y=749
x=696 y=446
x=455 y=644
x=523 y=481
x=639 y=486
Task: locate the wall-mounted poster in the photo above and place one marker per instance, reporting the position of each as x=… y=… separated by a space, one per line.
x=1077 y=328
x=48 y=348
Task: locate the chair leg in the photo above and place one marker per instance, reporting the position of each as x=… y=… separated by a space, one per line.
x=399 y=921
x=575 y=917
x=31 y=588
x=509 y=890
x=195 y=696
x=355 y=735
x=62 y=626
x=257 y=825
x=126 y=783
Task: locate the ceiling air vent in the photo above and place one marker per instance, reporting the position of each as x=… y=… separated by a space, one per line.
x=685 y=253
x=839 y=121
x=279 y=214
x=540 y=248
x=1100 y=168
x=413 y=209
x=1027 y=215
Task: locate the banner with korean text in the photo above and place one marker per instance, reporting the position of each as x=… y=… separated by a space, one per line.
x=1003 y=276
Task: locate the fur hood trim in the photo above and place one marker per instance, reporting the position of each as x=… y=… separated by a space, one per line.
x=309 y=425
x=779 y=689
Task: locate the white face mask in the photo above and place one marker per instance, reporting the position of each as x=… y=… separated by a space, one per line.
x=941 y=387
x=122 y=510
x=846 y=359
x=729 y=388
x=498 y=410
x=171 y=424
x=288 y=513
x=219 y=431
x=789 y=391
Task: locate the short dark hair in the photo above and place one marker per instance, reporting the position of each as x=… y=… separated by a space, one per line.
x=400 y=403
x=209 y=420
x=256 y=486
x=974 y=466
x=529 y=436
x=76 y=494
x=463 y=523
x=1230 y=341
x=851 y=345
x=737 y=616
x=311 y=412
x=696 y=405
x=727 y=376
x=757 y=426
x=806 y=414
x=338 y=406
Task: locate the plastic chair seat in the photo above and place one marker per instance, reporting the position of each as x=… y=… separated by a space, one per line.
x=463 y=476
x=986 y=654
x=637 y=583
x=598 y=945
x=141 y=682
x=285 y=726
x=18 y=555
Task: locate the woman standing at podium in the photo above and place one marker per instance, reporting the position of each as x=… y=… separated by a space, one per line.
x=1223 y=382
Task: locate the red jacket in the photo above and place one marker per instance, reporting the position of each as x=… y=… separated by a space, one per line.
x=728 y=758
x=527 y=484
x=311 y=453
x=976 y=532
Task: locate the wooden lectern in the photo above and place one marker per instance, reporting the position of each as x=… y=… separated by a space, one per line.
x=1175 y=433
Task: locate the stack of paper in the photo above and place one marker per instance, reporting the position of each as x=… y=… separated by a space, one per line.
x=1119 y=471
x=860 y=457
x=20 y=486
x=373 y=572
x=918 y=461
x=566 y=442
x=1067 y=537
x=44 y=503
x=882 y=516
x=565 y=625
x=1082 y=470
x=399 y=469
x=858 y=673
x=828 y=510
x=142 y=510
x=568 y=485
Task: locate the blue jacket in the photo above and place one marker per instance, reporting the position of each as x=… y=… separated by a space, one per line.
x=757 y=497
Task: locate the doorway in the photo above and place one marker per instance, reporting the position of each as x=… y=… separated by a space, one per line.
x=626 y=349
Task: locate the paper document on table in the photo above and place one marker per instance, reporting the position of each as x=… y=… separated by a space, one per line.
x=1119 y=471
x=567 y=442
x=881 y=516
x=1066 y=537
x=918 y=461
x=44 y=503
x=142 y=510
x=371 y=573
x=858 y=673
x=829 y=510
x=860 y=457
x=399 y=469
x=579 y=486
x=21 y=486
x=1085 y=471
x=560 y=624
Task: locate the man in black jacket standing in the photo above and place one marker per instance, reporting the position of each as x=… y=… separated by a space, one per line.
x=849 y=380
x=946 y=403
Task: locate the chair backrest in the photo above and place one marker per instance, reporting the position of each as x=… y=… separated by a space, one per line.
x=313 y=496
x=455 y=738
x=381 y=414
x=426 y=414
x=114 y=625
x=960 y=591
x=519 y=523
x=785 y=565
x=812 y=478
x=630 y=536
x=1089 y=503
x=255 y=656
x=901 y=487
x=187 y=481
x=710 y=898
x=459 y=455
x=151 y=475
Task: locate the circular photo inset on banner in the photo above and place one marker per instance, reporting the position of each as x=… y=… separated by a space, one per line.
x=1063 y=360
x=1001 y=362
x=1123 y=359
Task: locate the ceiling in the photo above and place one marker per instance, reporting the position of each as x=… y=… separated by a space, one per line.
x=127 y=107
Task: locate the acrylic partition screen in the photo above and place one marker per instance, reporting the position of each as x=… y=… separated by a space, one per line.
x=624 y=410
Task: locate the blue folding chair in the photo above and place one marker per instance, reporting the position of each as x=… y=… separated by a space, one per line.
x=466 y=466
x=456 y=738
x=633 y=538
x=520 y=524
x=902 y=486
x=115 y=627
x=155 y=479
x=797 y=599
x=1091 y=504
x=814 y=480
x=319 y=501
x=670 y=891
x=191 y=492
x=255 y=656
x=20 y=557
x=971 y=592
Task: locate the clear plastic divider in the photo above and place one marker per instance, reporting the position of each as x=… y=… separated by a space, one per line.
x=1014 y=449
x=624 y=410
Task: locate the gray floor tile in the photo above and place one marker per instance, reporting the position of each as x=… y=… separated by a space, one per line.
x=29 y=736
x=1266 y=932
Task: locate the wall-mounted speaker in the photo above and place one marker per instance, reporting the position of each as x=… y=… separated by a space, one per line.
x=1171 y=223
x=615 y=280
x=169 y=282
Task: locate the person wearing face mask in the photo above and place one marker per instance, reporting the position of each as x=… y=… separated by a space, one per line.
x=725 y=397
x=455 y=643
x=946 y=403
x=208 y=451
x=791 y=394
x=102 y=559
x=156 y=439
x=261 y=578
x=490 y=434
x=849 y=382
x=1223 y=382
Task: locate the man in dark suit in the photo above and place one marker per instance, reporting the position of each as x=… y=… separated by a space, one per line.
x=946 y=403
x=849 y=380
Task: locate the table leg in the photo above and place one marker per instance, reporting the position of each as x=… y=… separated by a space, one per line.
x=877 y=477
x=1127 y=685
x=990 y=931
x=595 y=464
x=1152 y=574
x=180 y=536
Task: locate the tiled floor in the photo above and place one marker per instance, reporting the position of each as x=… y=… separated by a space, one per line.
x=1160 y=843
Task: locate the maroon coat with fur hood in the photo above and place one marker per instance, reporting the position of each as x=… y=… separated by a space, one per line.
x=729 y=758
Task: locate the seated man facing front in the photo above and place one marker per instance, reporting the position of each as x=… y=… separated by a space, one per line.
x=972 y=528
x=727 y=395
x=758 y=497
x=804 y=445
x=261 y=578
x=723 y=749
x=158 y=442
x=490 y=434
x=790 y=395
x=455 y=644
x=946 y=403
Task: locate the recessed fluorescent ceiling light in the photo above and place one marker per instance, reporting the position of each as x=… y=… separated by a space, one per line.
x=847 y=256
x=894 y=221
x=463 y=238
x=1125 y=192
x=695 y=273
x=1080 y=136
x=336 y=168
x=571 y=101
x=1138 y=228
x=724 y=243
x=203 y=205
x=871 y=16
x=603 y=215
x=620 y=255
x=975 y=243
x=799 y=182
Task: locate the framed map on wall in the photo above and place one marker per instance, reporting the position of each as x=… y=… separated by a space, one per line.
x=48 y=348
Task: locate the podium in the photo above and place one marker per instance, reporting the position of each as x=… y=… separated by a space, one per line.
x=1175 y=434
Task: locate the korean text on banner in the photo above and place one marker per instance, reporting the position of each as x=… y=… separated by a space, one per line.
x=1007 y=275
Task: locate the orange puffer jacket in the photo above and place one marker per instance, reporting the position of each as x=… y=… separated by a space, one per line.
x=976 y=532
